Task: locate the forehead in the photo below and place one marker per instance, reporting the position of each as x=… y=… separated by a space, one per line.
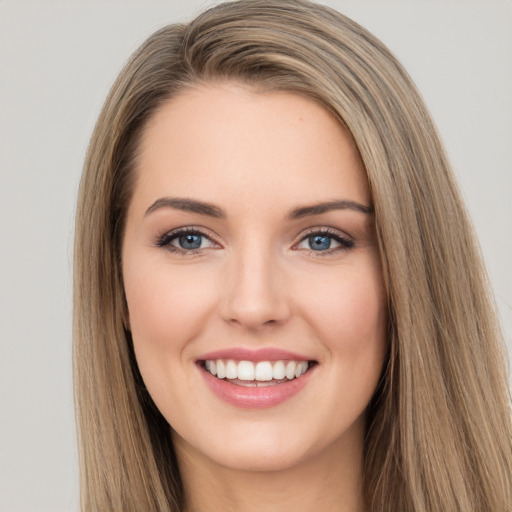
x=229 y=138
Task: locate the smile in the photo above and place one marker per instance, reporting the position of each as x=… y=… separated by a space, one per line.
x=260 y=374
x=255 y=379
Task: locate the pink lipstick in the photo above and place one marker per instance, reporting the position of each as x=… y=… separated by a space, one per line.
x=255 y=378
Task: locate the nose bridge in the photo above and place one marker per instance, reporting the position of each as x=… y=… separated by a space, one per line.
x=255 y=294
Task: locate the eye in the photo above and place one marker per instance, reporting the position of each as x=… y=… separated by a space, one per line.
x=185 y=241
x=324 y=241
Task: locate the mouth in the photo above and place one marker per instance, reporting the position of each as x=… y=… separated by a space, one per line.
x=254 y=379
x=254 y=374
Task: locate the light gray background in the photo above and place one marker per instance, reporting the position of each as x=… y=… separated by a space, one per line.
x=57 y=61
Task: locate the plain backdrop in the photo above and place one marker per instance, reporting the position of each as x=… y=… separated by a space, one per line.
x=57 y=61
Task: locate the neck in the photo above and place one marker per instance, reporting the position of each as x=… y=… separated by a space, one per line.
x=330 y=482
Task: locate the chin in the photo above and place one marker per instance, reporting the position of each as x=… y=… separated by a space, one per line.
x=257 y=460
x=258 y=449
x=263 y=459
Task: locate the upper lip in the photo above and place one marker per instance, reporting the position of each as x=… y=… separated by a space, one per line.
x=245 y=354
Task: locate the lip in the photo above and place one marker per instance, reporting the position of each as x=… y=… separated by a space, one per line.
x=254 y=397
x=262 y=354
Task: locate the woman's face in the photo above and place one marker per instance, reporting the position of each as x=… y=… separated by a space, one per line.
x=250 y=253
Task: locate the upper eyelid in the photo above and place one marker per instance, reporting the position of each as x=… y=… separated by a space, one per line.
x=324 y=230
x=171 y=234
x=189 y=229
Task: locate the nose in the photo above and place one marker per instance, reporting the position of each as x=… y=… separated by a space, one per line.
x=255 y=293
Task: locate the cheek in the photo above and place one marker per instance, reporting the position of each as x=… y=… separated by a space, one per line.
x=353 y=326
x=352 y=303
x=166 y=308
x=349 y=314
x=167 y=311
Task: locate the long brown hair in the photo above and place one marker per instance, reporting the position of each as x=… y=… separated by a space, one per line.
x=439 y=433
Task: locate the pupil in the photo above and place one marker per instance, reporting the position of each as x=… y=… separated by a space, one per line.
x=319 y=242
x=190 y=241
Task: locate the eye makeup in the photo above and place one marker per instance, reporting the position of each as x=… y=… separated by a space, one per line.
x=192 y=240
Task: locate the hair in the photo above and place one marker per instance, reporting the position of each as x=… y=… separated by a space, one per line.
x=438 y=429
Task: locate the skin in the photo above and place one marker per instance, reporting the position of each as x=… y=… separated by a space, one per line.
x=255 y=282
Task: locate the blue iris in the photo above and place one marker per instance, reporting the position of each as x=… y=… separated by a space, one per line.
x=319 y=242
x=190 y=241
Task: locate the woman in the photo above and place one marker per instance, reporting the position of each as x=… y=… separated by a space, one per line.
x=279 y=302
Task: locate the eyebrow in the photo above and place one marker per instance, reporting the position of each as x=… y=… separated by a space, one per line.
x=187 y=205
x=317 y=209
x=210 y=210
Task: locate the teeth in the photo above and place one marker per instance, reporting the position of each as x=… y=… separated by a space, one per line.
x=221 y=369
x=301 y=368
x=245 y=370
x=263 y=371
x=279 y=371
x=231 y=370
x=211 y=367
x=290 y=369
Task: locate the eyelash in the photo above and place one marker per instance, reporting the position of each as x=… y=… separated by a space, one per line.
x=345 y=242
x=165 y=240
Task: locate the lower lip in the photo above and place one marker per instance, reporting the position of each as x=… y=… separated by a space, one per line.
x=254 y=397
